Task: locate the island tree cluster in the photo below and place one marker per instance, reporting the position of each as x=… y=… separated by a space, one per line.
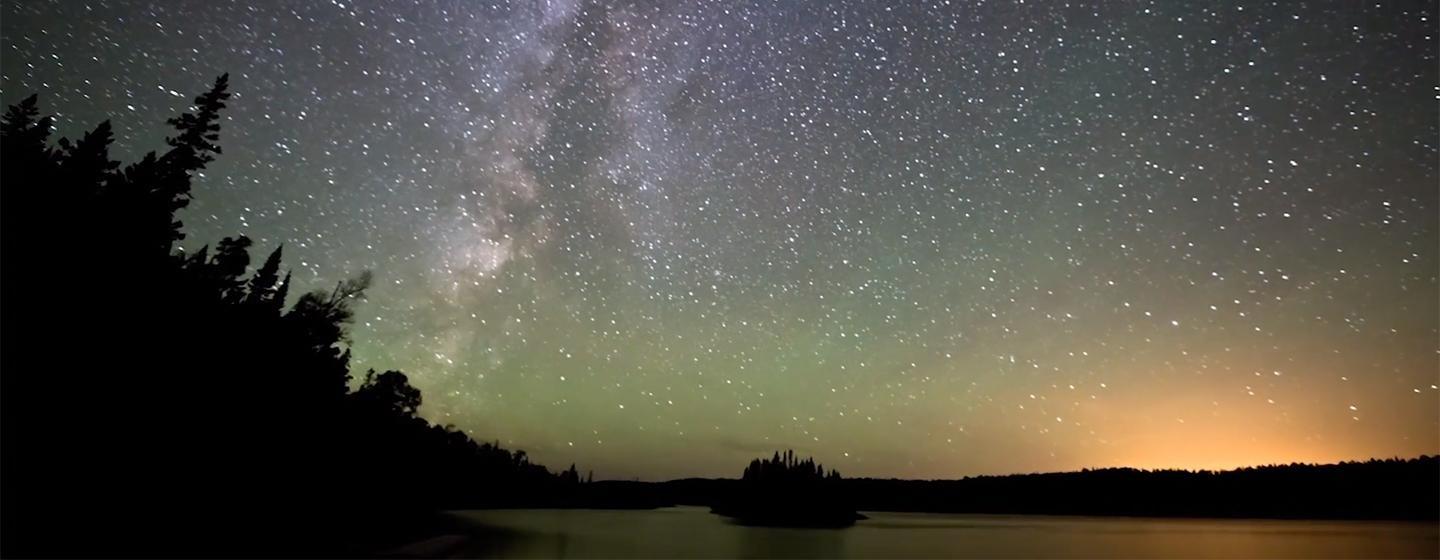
x=787 y=491
x=787 y=470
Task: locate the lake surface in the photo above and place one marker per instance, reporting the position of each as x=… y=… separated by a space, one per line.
x=689 y=532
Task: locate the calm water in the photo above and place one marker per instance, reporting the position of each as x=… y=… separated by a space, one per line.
x=695 y=533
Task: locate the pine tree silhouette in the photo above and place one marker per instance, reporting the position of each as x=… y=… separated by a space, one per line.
x=188 y=384
x=264 y=286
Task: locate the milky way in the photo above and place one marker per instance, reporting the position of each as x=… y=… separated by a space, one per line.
x=932 y=239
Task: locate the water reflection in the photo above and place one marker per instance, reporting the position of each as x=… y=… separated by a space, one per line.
x=695 y=533
x=770 y=542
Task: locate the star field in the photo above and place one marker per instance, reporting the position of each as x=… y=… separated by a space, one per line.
x=923 y=239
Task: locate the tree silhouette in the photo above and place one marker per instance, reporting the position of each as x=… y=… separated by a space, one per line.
x=173 y=382
x=789 y=491
x=227 y=268
x=194 y=145
x=86 y=163
x=389 y=393
x=264 y=290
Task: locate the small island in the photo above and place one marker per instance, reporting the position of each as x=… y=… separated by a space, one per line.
x=784 y=491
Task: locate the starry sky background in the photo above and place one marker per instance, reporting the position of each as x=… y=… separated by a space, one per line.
x=924 y=240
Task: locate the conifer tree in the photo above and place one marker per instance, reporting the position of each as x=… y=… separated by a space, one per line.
x=24 y=135
x=232 y=257
x=264 y=284
x=85 y=166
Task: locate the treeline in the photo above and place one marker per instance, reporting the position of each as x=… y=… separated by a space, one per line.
x=787 y=470
x=1375 y=489
x=164 y=402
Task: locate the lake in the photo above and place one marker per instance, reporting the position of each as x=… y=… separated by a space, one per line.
x=692 y=532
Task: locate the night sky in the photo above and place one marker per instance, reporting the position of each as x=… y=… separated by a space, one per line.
x=929 y=240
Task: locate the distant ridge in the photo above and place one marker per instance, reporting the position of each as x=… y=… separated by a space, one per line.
x=1396 y=489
